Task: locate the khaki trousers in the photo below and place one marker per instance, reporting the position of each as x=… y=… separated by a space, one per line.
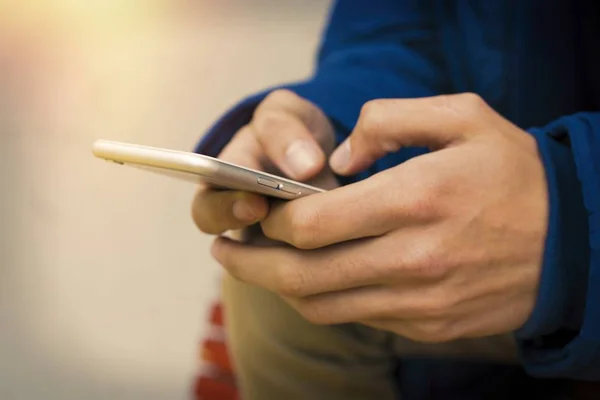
x=279 y=355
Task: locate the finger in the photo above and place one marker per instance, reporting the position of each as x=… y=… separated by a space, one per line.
x=332 y=217
x=347 y=306
x=297 y=273
x=434 y=315
x=419 y=330
x=245 y=150
x=293 y=133
x=412 y=299
x=369 y=208
x=388 y=124
x=290 y=272
x=216 y=211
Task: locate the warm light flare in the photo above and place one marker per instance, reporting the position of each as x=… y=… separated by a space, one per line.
x=80 y=19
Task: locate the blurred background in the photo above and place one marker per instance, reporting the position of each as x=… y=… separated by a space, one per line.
x=104 y=281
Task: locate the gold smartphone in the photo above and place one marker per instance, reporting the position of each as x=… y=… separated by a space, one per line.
x=199 y=168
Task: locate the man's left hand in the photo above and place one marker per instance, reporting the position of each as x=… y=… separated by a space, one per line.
x=447 y=245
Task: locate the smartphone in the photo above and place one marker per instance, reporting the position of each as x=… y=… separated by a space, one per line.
x=199 y=168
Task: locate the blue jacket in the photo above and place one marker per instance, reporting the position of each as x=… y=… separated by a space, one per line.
x=537 y=62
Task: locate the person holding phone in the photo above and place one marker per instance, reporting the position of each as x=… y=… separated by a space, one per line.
x=460 y=256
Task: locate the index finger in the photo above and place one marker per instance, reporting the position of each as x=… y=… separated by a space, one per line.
x=368 y=208
x=295 y=273
x=386 y=125
x=301 y=273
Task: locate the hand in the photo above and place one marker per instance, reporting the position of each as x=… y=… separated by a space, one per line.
x=447 y=245
x=287 y=133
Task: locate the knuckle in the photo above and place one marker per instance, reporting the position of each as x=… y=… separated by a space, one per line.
x=437 y=305
x=471 y=101
x=305 y=225
x=471 y=106
x=428 y=261
x=267 y=120
x=425 y=193
x=371 y=117
x=289 y=281
x=313 y=312
x=280 y=96
x=434 y=331
x=422 y=204
x=463 y=107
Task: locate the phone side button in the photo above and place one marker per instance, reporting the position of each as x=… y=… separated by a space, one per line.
x=267 y=182
x=283 y=188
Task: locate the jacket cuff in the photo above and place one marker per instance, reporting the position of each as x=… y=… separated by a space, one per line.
x=551 y=342
x=562 y=291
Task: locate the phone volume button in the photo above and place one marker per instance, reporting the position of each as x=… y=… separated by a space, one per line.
x=268 y=183
x=283 y=188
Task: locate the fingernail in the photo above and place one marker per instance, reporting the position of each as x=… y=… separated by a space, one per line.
x=301 y=156
x=341 y=157
x=243 y=211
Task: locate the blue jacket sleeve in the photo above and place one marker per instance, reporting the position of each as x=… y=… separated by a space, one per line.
x=370 y=49
x=562 y=336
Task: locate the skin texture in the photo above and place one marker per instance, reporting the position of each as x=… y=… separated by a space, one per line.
x=288 y=136
x=445 y=246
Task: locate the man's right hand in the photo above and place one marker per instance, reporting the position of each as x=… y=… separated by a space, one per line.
x=288 y=136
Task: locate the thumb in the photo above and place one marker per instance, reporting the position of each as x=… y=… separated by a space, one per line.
x=384 y=126
x=294 y=134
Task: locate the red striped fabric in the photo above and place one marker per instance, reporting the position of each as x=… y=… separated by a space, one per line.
x=216 y=380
